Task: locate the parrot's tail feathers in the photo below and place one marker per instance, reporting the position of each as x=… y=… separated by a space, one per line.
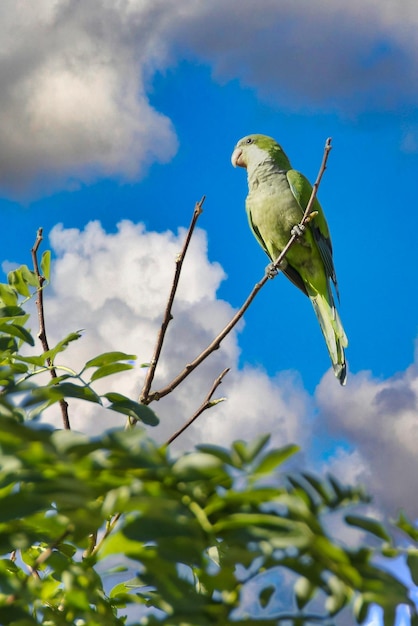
x=334 y=334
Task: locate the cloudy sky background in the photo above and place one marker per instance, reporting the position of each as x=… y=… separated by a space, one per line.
x=116 y=117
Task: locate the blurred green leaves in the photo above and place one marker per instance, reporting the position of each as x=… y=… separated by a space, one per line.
x=188 y=526
x=186 y=537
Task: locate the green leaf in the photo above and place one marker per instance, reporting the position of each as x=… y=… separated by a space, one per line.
x=62 y=345
x=246 y=452
x=255 y=447
x=338 y=596
x=407 y=527
x=16 y=281
x=304 y=591
x=370 y=525
x=389 y=616
x=8 y=344
x=17 y=331
x=330 y=550
x=70 y=390
x=198 y=466
x=274 y=458
x=21 y=278
x=46 y=264
x=222 y=454
x=8 y=295
x=319 y=487
x=108 y=370
x=241 y=452
x=7 y=313
x=109 y=357
x=29 y=276
x=412 y=562
x=53 y=393
x=122 y=404
x=32 y=360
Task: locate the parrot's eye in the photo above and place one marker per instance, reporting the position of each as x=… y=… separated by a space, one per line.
x=250 y=140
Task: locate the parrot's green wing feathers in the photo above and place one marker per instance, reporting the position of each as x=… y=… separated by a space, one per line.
x=256 y=233
x=289 y=271
x=302 y=190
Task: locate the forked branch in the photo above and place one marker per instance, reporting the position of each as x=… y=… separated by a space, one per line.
x=144 y=397
x=206 y=404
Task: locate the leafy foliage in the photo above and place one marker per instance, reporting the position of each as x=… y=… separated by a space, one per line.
x=185 y=538
x=187 y=525
x=18 y=371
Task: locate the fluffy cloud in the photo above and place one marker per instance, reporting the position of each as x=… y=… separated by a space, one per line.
x=343 y=56
x=115 y=286
x=73 y=96
x=379 y=419
x=75 y=75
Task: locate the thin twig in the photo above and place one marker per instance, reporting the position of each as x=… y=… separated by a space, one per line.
x=215 y=344
x=109 y=527
x=92 y=542
x=47 y=553
x=168 y=315
x=206 y=404
x=41 y=317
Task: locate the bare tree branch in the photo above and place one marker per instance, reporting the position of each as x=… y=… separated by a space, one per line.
x=41 y=317
x=168 y=315
x=215 y=344
x=206 y=404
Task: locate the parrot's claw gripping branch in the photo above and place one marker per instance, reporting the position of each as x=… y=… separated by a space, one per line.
x=298 y=230
x=271 y=270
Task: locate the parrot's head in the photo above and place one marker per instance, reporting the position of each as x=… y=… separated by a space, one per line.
x=253 y=150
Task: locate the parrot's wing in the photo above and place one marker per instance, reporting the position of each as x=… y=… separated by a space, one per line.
x=256 y=232
x=302 y=190
x=289 y=271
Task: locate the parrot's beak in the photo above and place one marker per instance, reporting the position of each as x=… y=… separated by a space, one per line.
x=236 y=158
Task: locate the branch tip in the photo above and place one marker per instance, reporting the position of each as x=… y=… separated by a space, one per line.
x=145 y=397
x=206 y=404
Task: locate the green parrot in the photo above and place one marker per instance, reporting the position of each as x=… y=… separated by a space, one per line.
x=276 y=200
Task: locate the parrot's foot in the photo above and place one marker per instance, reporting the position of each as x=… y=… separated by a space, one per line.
x=271 y=270
x=298 y=230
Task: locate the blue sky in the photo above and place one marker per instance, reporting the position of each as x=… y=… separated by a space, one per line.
x=369 y=181
x=127 y=115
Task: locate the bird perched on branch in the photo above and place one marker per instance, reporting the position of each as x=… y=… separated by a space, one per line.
x=277 y=198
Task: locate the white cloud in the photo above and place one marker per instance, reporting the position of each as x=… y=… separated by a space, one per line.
x=75 y=75
x=73 y=96
x=379 y=419
x=344 y=56
x=256 y=404
x=115 y=287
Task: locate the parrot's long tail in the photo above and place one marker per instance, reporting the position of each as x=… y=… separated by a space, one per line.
x=333 y=332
